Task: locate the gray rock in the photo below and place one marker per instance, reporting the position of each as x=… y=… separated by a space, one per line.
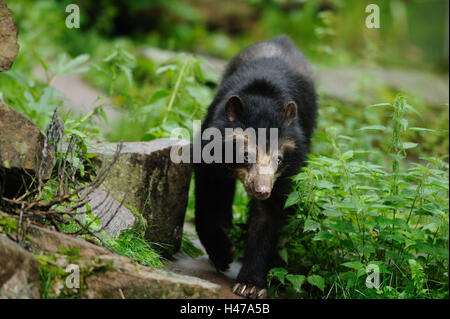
x=21 y=145
x=103 y=274
x=129 y=281
x=149 y=181
x=8 y=37
x=113 y=218
x=42 y=240
x=19 y=271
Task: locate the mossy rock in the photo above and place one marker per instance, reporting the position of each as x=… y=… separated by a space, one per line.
x=19 y=272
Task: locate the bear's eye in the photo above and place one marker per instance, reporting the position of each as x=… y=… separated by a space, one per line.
x=245 y=157
x=279 y=159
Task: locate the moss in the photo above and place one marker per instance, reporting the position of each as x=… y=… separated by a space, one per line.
x=148 y=294
x=101 y=268
x=6 y=164
x=48 y=262
x=53 y=276
x=8 y=224
x=72 y=253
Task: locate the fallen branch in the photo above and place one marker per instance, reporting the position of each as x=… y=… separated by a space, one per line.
x=70 y=197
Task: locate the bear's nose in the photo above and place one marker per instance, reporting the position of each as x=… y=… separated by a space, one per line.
x=262 y=192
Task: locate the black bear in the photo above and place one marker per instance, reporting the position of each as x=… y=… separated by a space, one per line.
x=267 y=86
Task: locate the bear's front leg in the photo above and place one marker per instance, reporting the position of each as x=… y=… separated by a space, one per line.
x=214 y=192
x=265 y=221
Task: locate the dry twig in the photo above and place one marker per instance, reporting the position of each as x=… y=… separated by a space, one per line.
x=70 y=196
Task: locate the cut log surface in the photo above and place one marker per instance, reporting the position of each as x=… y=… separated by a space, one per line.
x=114 y=218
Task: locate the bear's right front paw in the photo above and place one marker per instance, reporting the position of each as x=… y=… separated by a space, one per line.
x=250 y=291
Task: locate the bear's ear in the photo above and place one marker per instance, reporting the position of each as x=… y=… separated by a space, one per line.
x=234 y=107
x=290 y=112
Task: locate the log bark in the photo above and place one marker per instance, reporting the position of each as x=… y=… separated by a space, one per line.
x=146 y=178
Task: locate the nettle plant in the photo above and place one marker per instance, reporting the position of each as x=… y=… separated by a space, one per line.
x=176 y=94
x=181 y=98
x=356 y=220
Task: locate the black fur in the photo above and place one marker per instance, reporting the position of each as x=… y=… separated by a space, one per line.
x=266 y=76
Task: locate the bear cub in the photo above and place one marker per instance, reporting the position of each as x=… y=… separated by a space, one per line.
x=267 y=86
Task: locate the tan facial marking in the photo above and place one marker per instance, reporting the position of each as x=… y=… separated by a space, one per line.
x=259 y=176
x=287 y=145
x=237 y=135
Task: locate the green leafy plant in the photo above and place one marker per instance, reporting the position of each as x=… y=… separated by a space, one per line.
x=180 y=98
x=352 y=213
x=120 y=61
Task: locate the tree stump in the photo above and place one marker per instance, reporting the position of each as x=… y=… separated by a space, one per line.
x=146 y=178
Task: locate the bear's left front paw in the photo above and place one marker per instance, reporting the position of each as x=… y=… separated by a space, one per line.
x=250 y=291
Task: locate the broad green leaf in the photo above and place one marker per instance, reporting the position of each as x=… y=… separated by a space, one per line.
x=330 y=212
x=111 y=56
x=292 y=199
x=382 y=266
x=198 y=93
x=296 y=281
x=283 y=254
x=411 y=108
x=317 y=281
x=354 y=265
x=166 y=68
x=323 y=235
x=103 y=114
x=407 y=145
x=311 y=225
x=279 y=273
x=350 y=277
x=404 y=123
x=71 y=66
x=198 y=71
x=128 y=73
x=442 y=252
x=342 y=226
x=347 y=155
x=380 y=104
x=421 y=129
x=325 y=184
x=373 y=127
